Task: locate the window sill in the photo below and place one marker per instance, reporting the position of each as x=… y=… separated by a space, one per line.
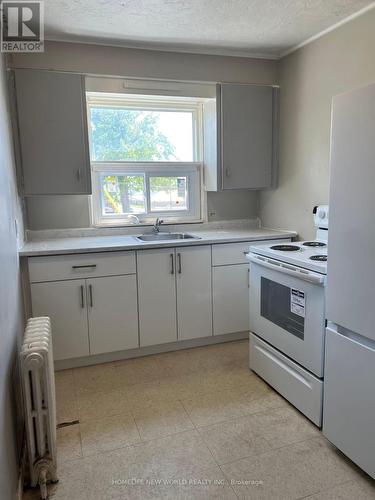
x=149 y=224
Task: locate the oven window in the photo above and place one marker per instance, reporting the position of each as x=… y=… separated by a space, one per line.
x=275 y=306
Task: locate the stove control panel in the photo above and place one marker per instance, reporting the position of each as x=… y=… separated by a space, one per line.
x=321 y=213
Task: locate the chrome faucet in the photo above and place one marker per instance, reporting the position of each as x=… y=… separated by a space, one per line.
x=157 y=224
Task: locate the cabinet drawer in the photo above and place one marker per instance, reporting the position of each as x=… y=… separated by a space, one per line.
x=297 y=385
x=89 y=265
x=234 y=253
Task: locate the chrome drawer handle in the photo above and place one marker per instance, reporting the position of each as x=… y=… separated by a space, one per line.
x=172 y=263
x=82 y=299
x=85 y=266
x=90 y=293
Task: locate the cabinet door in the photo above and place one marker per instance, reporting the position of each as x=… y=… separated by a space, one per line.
x=52 y=125
x=157 y=296
x=230 y=298
x=112 y=313
x=194 y=292
x=248 y=135
x=65 y=303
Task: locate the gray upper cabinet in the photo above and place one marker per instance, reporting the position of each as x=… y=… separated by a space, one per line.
x=247 y=135
x=52 y=124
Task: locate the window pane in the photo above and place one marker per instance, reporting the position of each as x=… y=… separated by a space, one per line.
x=122 y=194
x=141 y=135
x=168 y=193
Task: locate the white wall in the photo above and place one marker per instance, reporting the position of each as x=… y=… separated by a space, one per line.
x=339 y=61
x=11 y=316
x=73 y=211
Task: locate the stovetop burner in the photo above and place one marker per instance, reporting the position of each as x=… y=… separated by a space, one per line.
x=285 y=248
x=314 y=244
x=319 y=258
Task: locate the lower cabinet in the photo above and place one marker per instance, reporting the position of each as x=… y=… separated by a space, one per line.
x=65 y=303
x=230 y=286
x=112 y=313
x=89 y=316
x=175 y=299
x=230 y=298
x=157 y=296
x=115 y=301
x=194 y=293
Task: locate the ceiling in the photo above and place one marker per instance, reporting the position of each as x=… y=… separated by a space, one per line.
x=263 y=28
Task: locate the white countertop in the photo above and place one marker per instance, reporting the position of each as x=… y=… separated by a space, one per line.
x=100 y=243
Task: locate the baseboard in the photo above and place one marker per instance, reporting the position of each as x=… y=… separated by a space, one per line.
x=145 y=351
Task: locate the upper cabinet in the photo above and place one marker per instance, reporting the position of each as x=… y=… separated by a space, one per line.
x=247 y=126
x=52 y=125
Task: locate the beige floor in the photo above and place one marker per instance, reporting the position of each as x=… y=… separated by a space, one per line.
x=191 y=424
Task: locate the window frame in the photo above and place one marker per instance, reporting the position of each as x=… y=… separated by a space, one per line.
x=193 y=170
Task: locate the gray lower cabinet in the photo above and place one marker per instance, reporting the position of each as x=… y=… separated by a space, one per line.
x=230 y=286
x=112 y=313
x=175 y=296
x=114 y=301
x=89 y=316
x=194 y=292
x=51 y=110
x=157 y=296
x=65 y=303
x=248 y=126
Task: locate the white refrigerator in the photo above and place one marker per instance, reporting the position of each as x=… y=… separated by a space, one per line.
x=349 y=386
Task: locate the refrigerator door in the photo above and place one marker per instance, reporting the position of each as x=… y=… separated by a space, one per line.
x=351 y=241
x=349 y=398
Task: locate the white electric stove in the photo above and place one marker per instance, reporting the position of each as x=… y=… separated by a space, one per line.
x=310 y=255
x=287 y=316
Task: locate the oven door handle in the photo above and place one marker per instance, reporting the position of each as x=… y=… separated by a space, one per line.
x=303 y=274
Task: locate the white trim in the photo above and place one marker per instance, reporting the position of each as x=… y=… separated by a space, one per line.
x=151 y=86
x=192 y=170
x=156 y=103
x=328 y=30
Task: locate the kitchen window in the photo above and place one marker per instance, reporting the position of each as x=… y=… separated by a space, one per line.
x=145 y=158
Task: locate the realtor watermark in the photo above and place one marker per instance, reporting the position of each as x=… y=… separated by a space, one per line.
x=180 y=482
x=22 y=26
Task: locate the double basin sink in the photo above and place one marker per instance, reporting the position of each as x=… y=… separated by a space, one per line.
x=166 y=237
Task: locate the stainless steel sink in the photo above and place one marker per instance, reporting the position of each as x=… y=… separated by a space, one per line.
x=167 y=237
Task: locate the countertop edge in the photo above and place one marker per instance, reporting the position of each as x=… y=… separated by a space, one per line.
x=269 y=235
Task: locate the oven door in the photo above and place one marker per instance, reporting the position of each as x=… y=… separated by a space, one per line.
x=287 y=310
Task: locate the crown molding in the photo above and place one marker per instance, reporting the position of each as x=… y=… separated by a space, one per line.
x=328 y=30
x=208 y=51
